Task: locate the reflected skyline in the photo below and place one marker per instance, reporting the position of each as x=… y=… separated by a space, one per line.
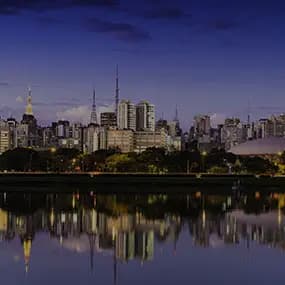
x=128 y=228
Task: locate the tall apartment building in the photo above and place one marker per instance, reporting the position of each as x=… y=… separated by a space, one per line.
x=145 y=116
x=126 y=115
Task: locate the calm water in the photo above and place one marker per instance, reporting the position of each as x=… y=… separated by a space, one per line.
x=142 y=239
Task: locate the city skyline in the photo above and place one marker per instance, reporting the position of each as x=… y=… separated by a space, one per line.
x=215 y=61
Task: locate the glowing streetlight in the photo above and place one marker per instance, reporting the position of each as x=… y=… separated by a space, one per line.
x=203 y=155
x=53 y=150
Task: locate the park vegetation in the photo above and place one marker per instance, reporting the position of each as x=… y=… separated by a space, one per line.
x=153 y=160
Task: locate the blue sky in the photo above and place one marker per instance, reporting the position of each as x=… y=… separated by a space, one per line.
x=205 y=56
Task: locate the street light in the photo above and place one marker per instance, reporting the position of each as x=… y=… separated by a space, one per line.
x=53 y=150
x=203 y=156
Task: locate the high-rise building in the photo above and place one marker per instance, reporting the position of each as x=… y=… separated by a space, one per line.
x=145 y=116
x=12 y=125
x=22 y=135
x=49 y=138
x=4 y=139
x=202 y=125
x=108 y=120
x=93 y=137
x=29 y=120
x=232 y=133
x=126 y=115
x=62 y=129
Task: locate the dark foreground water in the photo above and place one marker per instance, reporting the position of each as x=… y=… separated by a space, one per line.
x=142 y=239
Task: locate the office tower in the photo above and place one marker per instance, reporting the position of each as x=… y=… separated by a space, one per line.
x=62 y=129
x=75 y=131
x=12 y=125
x=4 y=139
x=108 y=120
x=93 y=136
x=145 y=116
x=232 y=133
x=126 y=115
x=202 y=125
x=22 y=136
x=93 y=118
x=29 y=120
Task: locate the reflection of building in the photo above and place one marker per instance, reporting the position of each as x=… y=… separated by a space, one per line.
x=85 y=223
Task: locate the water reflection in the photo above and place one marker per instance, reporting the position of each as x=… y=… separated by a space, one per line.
x=130 y=227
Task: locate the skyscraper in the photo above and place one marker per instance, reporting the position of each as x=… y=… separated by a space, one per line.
x=29 y=120
x=145 y=116
x=29 y=107
x=93 y=118
x=202 y=125
x=126 y=115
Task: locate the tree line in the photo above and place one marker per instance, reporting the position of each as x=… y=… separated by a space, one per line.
x=153 y=160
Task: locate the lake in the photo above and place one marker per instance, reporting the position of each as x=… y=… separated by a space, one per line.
x=84 y=237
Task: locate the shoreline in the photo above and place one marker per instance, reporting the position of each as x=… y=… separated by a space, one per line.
x=138 y=182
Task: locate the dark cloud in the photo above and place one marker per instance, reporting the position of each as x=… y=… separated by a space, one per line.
x=166 y=13
x=15 y=6
x=121 y=31
x=4 y=84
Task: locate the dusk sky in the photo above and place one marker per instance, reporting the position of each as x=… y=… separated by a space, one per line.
x=205 y=56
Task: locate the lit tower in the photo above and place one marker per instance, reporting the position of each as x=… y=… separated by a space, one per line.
x=31 y=138
x=29 y=107
x=93 y=119
x=117 y=91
